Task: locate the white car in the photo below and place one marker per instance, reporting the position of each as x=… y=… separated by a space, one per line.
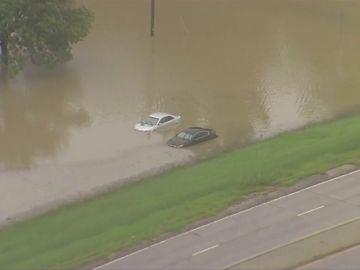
x=157 y=120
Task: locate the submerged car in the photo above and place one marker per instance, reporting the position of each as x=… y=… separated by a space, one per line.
x=191 y=136
x=157 y=120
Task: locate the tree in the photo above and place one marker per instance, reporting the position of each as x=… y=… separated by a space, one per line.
x=40 y=32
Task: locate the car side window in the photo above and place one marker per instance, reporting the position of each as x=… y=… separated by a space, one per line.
x=166 y=119
x=201 y=135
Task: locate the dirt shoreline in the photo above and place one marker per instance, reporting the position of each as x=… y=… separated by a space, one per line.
x=34 y=192
x=28 y=193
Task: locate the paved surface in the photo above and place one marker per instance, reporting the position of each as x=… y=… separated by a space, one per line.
x=242 y=236
x=306 y=250
x=348 y=259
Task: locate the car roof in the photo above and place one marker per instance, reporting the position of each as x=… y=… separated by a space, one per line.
x=193 y=130
x=160 y=115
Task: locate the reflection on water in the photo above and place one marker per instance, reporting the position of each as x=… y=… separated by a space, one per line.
x=248 y=69
x=36 y=115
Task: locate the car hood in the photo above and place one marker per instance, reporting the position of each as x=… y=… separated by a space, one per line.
x=177 y=142
x=144 y=127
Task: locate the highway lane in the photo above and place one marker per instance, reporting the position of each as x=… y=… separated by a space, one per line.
x=241 y=236
x=348 y=259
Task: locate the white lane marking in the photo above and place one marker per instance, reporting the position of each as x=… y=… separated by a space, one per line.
x=227 y=217
x=204 y=250
x=310 y=211
x=291 y=242
x=186 y=29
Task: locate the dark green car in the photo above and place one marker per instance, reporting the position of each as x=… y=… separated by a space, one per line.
x=191 y=136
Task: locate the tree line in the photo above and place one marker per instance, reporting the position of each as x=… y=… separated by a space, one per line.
x=40 y=32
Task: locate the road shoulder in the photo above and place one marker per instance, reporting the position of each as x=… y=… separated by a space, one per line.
x=306 y=249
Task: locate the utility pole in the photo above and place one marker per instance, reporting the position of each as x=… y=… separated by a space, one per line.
x=152 y=18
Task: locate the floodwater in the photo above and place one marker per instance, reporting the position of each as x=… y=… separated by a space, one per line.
x=247 y=68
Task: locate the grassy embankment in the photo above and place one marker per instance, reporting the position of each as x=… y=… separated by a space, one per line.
x=92 y=230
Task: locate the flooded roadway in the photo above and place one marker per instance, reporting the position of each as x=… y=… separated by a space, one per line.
x=248 y=69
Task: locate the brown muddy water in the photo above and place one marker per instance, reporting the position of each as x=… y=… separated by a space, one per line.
x=249 y=69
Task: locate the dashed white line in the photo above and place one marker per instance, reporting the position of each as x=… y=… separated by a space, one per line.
x=310 y=211
x=204 y=250
x=227 y=217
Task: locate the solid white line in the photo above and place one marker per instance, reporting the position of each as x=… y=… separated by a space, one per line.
x=224 y=218
x=184 y=25
x=204 y=250
x=310 y=211
x=291 y=242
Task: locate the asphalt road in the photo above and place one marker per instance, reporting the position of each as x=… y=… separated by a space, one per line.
x=244 y=235
x=348 y=259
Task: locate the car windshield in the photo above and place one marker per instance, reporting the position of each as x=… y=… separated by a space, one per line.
x=185 y=136
x=151 y=121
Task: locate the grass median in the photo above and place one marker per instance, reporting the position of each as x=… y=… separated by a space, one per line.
x=93 y=230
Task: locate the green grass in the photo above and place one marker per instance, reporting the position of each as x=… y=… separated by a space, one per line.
x=93 y=230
